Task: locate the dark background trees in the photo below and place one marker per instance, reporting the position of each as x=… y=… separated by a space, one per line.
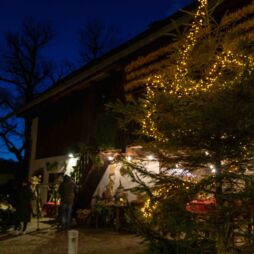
x=24 y=73
x=97 y=38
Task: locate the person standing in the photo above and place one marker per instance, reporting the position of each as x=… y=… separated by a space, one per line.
x=67 y=191
x=23 y=206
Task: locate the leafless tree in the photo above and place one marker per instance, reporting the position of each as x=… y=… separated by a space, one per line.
x=96 y=38
x=61 y=70
x=23 y=73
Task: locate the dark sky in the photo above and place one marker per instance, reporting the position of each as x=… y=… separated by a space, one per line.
x=68 y=16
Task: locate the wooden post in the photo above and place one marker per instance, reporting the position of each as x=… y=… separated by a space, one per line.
x=72 y=242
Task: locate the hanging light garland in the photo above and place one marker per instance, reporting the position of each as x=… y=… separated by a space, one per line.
x=182 y=84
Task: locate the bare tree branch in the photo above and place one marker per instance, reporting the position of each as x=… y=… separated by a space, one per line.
x=25 y=73
x=96 y=38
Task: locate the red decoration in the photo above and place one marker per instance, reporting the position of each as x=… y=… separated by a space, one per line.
x=50 y=208
x=201 y=205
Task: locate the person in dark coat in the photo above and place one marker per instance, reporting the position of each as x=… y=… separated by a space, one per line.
x=67 y=191
x=23 y=206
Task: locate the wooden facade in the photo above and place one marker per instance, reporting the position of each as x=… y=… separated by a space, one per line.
x=74 y=111
x=79 y=117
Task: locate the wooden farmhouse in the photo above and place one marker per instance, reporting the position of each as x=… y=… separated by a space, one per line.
x=74 y=111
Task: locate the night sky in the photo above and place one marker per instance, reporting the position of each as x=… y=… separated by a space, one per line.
x=68 y=16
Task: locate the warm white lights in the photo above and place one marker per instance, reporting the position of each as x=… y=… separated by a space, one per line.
x=110 y=158
x=213 y=169
x=128 y=158
x=150 y=157
x=183 y=84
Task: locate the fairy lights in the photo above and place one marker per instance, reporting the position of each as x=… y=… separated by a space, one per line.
x=182 y=83
x=224 y=71
x=148 y=208
x=152 y=204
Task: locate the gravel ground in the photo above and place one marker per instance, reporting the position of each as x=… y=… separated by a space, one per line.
x=47 y=240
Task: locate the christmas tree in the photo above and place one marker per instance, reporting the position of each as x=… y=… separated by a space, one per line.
x=197 y=115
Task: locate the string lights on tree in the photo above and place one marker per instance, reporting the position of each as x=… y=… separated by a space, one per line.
x=198 y=116
x=183 y=84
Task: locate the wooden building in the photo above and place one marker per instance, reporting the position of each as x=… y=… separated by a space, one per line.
x=74 y=112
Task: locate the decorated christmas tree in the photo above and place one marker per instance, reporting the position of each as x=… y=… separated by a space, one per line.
x=197 y=117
